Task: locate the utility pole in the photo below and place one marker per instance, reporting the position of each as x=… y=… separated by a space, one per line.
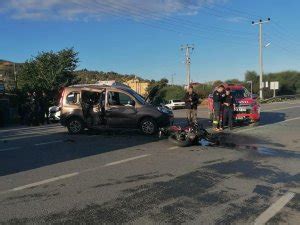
x=172 y=78
x=251 y=83
x=260 y=23
x=187 y=49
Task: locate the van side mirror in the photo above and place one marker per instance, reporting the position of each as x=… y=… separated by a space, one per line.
x=131 y=102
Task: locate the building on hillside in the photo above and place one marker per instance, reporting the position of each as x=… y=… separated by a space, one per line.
x=9 y=74
x=195 y=84
x=110 y=83
x=138 y=86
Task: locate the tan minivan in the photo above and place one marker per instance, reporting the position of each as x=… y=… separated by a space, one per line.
x=115 y=106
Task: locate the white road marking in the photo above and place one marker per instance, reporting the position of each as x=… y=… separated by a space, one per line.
x=30 y=128
x=9 y=149
x=70 y=175
x=274 y=209
x=271 y=110
x=40 y=183
x=22 y=133
x=125 y=160
x=25 y=136
x=174 y=147
x=47 y=143
x=45 y=181
x=253 y=128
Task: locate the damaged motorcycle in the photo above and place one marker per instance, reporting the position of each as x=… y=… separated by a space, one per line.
x=188 y=135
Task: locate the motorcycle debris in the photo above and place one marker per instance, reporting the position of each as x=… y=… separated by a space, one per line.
x=204 y=142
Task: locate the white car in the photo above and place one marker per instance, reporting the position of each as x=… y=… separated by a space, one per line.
x=176 y=104
x=54 y=114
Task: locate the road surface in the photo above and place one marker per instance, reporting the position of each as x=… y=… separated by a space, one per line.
x=116 y=177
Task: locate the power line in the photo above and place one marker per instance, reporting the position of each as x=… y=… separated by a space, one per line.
x=284 y=33
x=240 y=12
x=169 y=21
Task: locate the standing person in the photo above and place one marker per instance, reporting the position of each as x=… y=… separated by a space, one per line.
x=191 y=103
x=218 y=98
x=35 y=108
x=229 y=103
x=28 y=114
x=44 y=109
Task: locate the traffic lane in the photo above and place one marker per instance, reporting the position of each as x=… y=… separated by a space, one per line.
x=278 y=114
x=24 y=136
x=55 y=133
x=156 y=167
x=284 y=133
x=76 y=147
x=47 y=152
x=280 y=104
x=30 y=156
x=270 y=114
x=85 y=151
x=207 y=185
x=51 y=161
x=85 y=188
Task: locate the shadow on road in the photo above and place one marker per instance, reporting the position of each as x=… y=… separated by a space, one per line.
x=75 y=147
x=271 y=117
x=71 y=147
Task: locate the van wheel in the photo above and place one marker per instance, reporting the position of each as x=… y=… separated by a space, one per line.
x=148 y=126
x=75 y=126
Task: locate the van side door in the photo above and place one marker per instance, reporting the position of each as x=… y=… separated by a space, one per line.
x=120 y=109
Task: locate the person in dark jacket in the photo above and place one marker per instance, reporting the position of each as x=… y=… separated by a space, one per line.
x=28 y=114
x=191 y=100
x=229 y=103
x=218 y=99
x=36 y=108
x=44 y=109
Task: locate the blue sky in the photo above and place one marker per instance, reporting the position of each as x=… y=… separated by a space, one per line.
x=144 y=37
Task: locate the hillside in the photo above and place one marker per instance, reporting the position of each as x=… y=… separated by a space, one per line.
x=86 y=76
x=4 y=64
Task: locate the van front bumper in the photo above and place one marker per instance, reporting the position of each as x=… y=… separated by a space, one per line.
x=165 y=120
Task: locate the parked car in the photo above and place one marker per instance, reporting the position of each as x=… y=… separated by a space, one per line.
x=54 y=114
x=175 y=104
x=247 y=107
x=115 y=106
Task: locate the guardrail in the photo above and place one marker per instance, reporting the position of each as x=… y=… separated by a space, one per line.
x=280 y=98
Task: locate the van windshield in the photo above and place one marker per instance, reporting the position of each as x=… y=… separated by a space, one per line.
x=138 y=97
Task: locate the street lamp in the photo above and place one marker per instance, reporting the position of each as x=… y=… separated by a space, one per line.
x=268 y=44
x=251 y=83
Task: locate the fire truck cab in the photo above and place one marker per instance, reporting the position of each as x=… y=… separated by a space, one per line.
x=247 y=108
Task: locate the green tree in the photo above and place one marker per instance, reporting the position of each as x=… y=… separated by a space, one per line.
x=49 y=71
x=203 y=90
x=233 y=81
x=161 y=83
x=252 y=76
x=173 y=92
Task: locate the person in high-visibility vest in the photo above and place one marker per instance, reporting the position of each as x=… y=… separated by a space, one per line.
x=218 y=98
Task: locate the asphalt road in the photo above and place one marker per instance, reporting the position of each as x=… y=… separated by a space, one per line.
x=115 y=177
